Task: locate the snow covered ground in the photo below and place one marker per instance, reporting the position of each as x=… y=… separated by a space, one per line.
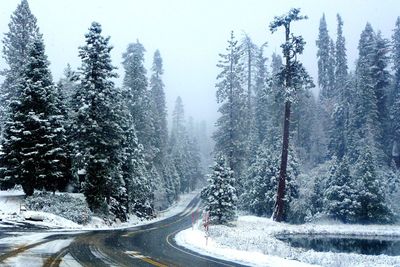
x=11 y=214
x=252 y=241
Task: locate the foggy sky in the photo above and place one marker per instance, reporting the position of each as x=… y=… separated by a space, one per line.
x=191 y=34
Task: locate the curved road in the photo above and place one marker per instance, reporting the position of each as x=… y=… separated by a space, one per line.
x=147 y=245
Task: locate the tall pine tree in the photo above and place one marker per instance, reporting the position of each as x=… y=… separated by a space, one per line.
x=97 y=126
x=294 y=77
x=230 y=136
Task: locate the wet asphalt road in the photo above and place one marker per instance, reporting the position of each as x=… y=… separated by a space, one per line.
x=147 y=245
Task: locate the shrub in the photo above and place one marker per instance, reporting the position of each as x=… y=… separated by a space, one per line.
x=63 y=205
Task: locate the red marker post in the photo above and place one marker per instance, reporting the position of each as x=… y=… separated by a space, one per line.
x=206 y=222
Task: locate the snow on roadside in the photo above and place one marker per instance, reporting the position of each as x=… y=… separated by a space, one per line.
x=11 y=214
x=177 y=207
x=252 y=234
x=10 y=201
x=195 y=240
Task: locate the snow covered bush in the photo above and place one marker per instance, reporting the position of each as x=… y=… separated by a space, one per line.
x=64 y=205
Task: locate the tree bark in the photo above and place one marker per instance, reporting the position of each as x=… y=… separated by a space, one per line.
x=279 y=203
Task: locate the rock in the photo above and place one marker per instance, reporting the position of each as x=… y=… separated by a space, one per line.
x=34 y=217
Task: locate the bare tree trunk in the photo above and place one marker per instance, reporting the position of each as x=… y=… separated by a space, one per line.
x=279 y=203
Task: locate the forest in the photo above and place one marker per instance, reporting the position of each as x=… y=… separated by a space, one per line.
x=280 y=149
x=84 y=134
x=342 y=159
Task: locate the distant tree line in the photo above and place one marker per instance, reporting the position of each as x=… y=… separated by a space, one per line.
x=87 y=135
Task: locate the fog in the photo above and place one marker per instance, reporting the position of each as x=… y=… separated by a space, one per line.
x=191 y=34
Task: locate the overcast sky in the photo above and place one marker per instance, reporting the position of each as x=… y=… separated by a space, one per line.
x=190 y=34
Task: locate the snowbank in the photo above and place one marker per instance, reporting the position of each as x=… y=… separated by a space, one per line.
x=252 y=241
x=11 y=214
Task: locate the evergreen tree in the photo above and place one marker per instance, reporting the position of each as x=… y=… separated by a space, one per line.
x=325 y=66
x=340 y=193
x=370 y=192
x=16 y=45
x=340 y=115
x=294 y=77
x=262 y=112
x=364 y=119
x=220 y=194
x=230 y=136
x=304 y=131
x=178 y=146
x=68 y=84
x=276 y=96
x=34 y=144
x=159 y=107
x=261 y=181
x=395 y=95
x=140 y=106
x=17 y=41
x=326 y=76
x=381 y=78
x=340 y=59
x=249 y=52
x=168 y=186
x=139 y=193
x=97 y=126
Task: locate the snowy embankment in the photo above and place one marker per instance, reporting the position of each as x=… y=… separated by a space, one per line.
x=13 y=213
x=252 y=241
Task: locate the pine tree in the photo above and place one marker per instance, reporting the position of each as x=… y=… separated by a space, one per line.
x=159 y=107
x=16 y=45
x=135 y=82
x=97 y=126
x=17 y=41
x=220 y=194
x=364 y=119
x=294 y=77
x=262 y=113
x=370 y=193
x=381 y=78
x=135 y=175
x=340 y=193
x=168 y=178
x=261 y=181
x=395 y=95
x=249 y=52
x=325 y=66
x=68 y=84
x=303 y=128
x=34 y=146
x=326 y=78
x=276 y=97
x=178 y=146
x=340 y=116
x=230 y=136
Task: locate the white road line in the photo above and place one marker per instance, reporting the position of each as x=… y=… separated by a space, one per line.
x=194 y=255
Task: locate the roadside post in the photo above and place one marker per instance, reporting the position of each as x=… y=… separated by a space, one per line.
x=206 y=223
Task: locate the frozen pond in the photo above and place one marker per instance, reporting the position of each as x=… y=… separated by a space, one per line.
x=348 y=244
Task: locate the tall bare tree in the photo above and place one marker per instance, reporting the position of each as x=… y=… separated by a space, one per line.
x=294 y=77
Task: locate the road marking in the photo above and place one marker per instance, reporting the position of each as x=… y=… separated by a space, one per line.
x=137 y=255
x=194 y=255
x=20 y=249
